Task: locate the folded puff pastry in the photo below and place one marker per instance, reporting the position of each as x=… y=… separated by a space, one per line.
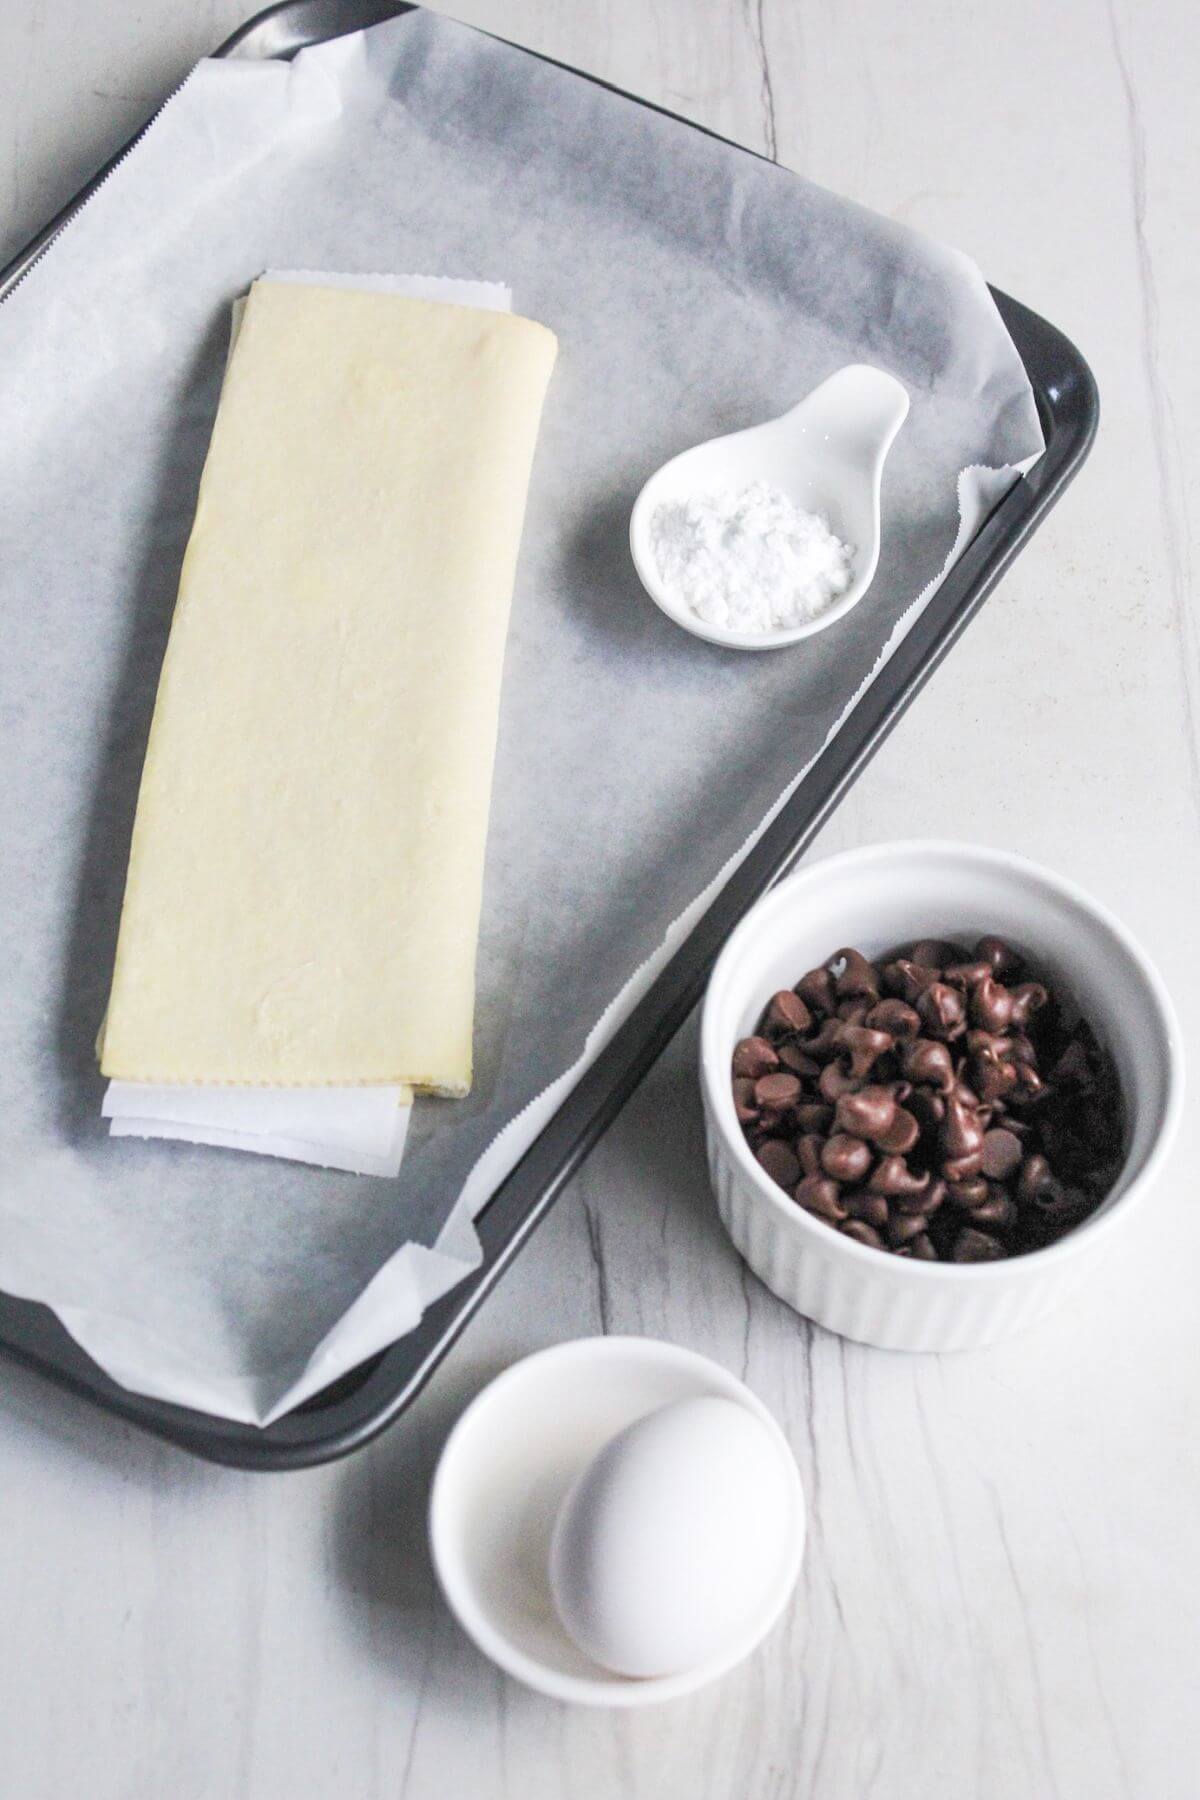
x=303 y=895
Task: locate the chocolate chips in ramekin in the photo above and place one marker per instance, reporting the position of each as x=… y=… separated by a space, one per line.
x=941 y=1103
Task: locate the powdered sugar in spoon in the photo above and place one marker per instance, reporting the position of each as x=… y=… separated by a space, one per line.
x=826 y=455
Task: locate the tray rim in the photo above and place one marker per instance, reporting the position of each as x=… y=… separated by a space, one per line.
x=364 y=1402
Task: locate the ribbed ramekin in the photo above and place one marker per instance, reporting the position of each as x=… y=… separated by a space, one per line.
x=876 y=899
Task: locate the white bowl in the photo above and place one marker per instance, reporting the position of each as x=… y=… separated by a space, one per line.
x=876 y=899
x=502 y=1477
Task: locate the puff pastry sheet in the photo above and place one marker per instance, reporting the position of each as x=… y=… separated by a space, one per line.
x=302 y=902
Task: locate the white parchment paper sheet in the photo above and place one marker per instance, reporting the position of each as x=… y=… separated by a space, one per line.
x=694 y=289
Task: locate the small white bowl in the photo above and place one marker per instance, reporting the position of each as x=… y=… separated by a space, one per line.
x=875 y=899
x=502 y=1477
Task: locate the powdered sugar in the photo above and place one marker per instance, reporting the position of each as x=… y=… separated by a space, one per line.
x=748 y=559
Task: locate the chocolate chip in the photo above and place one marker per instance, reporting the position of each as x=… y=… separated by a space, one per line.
x=992 y=1081
x=907 y=979
x=895 y=1017
x=858 y=977
x=753 y=1057
x=1029 y=1089
x=862 y=1233
x=817 y=991
x=971 y=1246
x=855 y=1010
x=1033 y=1176
x=1027 y=999
x=996 y=1213
x=927 y=1108
x=1055 y=1201
x=845 y=1158
x=787 y=1012
x=942 y=1011
x=928 y=1062
x=836 y=1081
x=827 y=1041
x=864 y=1047
x=964 y=1092
x=871 y=1208
x=989 y=1046
x=779 y=1090
x=924 y=1200
x=935 y=953
x=822 y=1197
x=794 y=1060
x=898 y=1138
x=866 y=1113
x=893 y=1177
x=779 y=1161
x=904 y=1227
x=961 y=1135
x=1003 y=960
x=991 y=1006
x=1002 y=1153
x=966 y=975
x=744 y=1103
x=810 y=1150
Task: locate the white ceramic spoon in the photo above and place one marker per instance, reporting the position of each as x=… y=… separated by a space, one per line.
x=826 y=454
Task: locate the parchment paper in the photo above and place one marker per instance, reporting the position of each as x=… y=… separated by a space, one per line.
x=694 y=290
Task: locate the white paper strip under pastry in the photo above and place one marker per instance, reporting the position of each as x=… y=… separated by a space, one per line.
x=359 y=1129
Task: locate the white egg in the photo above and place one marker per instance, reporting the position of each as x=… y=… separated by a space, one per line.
x=674 y=1539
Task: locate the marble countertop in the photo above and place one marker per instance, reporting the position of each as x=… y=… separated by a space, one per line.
x=1002 y=1586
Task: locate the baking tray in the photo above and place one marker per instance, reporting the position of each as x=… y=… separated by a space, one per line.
x=358 y=1406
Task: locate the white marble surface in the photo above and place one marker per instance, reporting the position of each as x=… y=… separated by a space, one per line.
x=1002 y=1589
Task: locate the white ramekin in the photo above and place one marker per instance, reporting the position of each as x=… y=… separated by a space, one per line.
x=876 y=899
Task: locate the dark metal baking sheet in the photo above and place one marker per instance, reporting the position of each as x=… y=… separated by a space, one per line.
x=362 y=1403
